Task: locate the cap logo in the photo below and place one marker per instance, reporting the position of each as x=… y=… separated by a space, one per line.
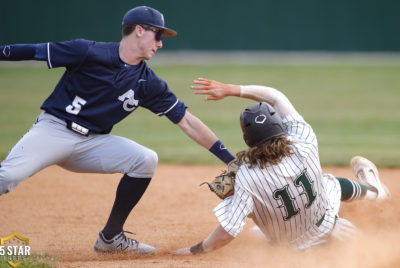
x=162 y=18
x=260 y=119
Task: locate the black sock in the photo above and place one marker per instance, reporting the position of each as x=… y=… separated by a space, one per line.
x=129 y=192
x=352 y=190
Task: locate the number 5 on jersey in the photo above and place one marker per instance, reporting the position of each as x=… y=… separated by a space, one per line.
x=76 y=106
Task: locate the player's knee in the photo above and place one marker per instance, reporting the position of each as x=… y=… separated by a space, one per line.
x=7 y=181
x=146 y=166
x=151 y=160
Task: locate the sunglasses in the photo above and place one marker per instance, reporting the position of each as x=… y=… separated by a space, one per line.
x=157 y=31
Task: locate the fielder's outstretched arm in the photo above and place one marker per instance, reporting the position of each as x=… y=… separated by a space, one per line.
x=21 y=52
x=203 y=135
x=217 y=239
x=197 y=130
x=217 y=91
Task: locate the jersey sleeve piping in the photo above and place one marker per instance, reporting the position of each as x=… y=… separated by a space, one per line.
x=162 y=113
x=48 y=57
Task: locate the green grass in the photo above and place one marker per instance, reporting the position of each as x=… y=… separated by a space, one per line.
x=354 y=109
x=33 y=261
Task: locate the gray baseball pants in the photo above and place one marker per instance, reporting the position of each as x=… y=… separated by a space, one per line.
x=49 y=142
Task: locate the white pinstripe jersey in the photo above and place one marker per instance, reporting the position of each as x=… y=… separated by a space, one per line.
x=292 y=201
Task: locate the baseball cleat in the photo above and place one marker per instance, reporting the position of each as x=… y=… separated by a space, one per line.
x=121 y=243
x=367 y=174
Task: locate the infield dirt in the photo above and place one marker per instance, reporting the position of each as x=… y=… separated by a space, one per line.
x=62 y=212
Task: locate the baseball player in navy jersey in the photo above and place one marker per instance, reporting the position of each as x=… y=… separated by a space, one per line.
x=280 y=184
x=102 y=84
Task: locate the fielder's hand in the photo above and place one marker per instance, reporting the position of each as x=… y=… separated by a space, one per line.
x=223 y=185
x=234 y=166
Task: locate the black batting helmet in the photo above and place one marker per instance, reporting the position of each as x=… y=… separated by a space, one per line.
x=260 y=123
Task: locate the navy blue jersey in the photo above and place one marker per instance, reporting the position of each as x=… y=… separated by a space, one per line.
x=98 y=90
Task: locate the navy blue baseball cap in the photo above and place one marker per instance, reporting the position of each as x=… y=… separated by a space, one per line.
x=149 y=16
